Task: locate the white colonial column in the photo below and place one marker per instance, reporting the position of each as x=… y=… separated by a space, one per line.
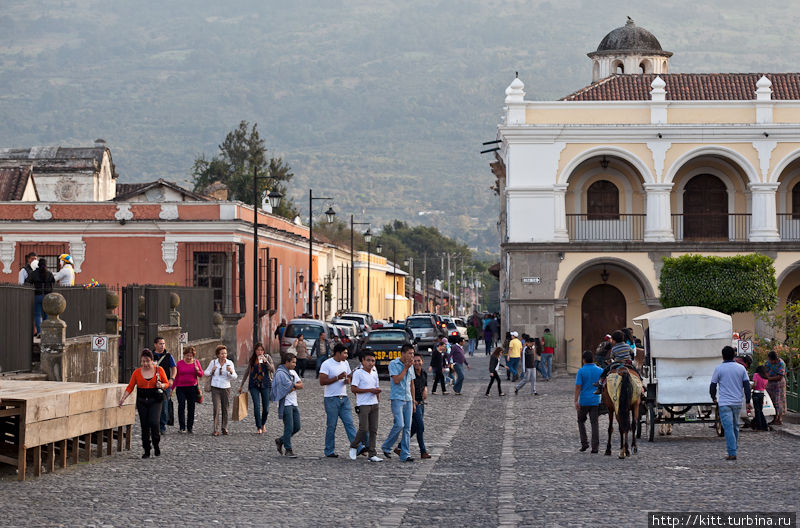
x=658 y=221
x=764 y=219
x=560 y=233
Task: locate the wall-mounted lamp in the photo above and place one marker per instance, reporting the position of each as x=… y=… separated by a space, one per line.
x=560 y=255
x=766 y=134
x=659 y=135
x=300 y=278
x=604 y=274
x=604 y=162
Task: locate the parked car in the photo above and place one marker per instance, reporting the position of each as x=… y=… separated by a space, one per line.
x=386 y=343
x=364 y=322
x=461 y=325
x=426 y=331
x=349 y=337
x=438 y=318
x=310 y=328
x=380 y=323
x=450 y=327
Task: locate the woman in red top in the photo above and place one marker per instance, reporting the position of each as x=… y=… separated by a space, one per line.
x=150 y=381
x=186 y=386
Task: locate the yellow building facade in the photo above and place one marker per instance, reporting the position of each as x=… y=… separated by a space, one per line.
x=385 y=297
x=598 y=187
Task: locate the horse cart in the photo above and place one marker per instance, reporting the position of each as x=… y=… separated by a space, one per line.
x=682 y=348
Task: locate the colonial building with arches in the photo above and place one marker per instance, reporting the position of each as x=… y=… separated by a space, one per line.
x=598 y=187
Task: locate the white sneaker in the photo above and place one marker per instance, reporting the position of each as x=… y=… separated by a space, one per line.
x=375 y=459
x=353 y=453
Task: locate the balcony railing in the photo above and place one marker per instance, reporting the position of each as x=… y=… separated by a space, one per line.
x=711 y=227
x=606 y=228
x=789 y=226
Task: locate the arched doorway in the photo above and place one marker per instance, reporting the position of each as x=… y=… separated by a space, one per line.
x=603 y=310
x=705 y=209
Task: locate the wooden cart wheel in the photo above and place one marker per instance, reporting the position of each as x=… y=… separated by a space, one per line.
x=651 y=413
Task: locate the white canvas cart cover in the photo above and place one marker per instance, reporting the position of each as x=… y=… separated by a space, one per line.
x=685 y=345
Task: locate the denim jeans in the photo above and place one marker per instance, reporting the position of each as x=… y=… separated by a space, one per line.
x=473 y=345
x=418 y=427
x=320 y=361
x=401 y=410
x=187 y=396
x=165 y=410
x=459 y=377
x=513 y=364
x=291 y=424
x=729 y=416
x=38 y=313
x=337 y=407
x=488 y=343
x=260 y=397
x=547 y=366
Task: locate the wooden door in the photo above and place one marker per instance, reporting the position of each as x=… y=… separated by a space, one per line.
x=603 y=310
x=705 y=209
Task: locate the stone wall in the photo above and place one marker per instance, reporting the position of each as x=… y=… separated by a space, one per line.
x=79 y=363
x=205 y=350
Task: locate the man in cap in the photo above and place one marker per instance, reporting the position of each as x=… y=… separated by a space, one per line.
x=514 y=355
x=66 y=275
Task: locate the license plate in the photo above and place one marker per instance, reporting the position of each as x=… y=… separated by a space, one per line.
x=386 y=354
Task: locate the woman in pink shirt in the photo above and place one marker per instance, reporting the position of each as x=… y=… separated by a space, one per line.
x=759 y=386
x=187 y=387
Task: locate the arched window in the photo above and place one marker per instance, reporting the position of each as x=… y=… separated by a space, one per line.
x=619 y=68
x=796 y=201
x=602 y=201
x=644 y=67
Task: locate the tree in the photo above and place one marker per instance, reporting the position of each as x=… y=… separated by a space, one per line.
x=241 y=152
x=743 y=283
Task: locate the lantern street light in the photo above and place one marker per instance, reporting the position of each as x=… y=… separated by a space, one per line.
x=329 y=215
x=274 y=198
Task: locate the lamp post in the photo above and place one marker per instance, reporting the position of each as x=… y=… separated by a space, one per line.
x=329 y=214
x=368 y=238
x=394 y=281
x=379 y=250
x=274 y=201
x=409 y=263
x=352 y=258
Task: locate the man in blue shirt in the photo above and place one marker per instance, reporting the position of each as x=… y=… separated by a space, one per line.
x=734 y=384
x=401 y=396
x=587 y=403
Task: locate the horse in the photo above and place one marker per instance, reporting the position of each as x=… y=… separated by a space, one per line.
x=621 y=396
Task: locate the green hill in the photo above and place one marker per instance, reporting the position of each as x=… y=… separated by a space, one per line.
x=383 y=105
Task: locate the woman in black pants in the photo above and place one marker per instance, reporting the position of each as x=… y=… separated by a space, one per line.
x=437 y=367
x=150 y=381
x=494 y=362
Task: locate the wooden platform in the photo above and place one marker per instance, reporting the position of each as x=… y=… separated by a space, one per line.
x=49 y=420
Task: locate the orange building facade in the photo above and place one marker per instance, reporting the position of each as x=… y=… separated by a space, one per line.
x=204 y=243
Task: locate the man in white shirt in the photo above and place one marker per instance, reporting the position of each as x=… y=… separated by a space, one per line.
x=365 y=386
x=334 y=375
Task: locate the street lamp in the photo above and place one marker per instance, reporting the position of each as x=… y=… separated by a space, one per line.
x=409 y=263
x=352 y=259
x=329 y=215
x=368 y=239
x=274 y=198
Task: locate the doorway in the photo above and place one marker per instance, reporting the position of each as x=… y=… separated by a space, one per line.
x=705 y=209
x=603 y=310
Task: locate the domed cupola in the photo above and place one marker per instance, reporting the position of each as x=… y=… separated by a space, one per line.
x=629 y=49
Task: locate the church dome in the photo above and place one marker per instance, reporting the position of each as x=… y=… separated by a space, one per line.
x=630 y=38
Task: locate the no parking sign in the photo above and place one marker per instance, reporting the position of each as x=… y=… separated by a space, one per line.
x=99 y=344
x=744 y=348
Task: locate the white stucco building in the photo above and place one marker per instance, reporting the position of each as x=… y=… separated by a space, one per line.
x=597 y=187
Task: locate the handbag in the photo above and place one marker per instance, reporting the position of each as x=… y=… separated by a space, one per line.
x=199 y=397
x=208 y=378
x=240 y=407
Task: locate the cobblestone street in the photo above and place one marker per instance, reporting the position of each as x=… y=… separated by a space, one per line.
x=510 y=461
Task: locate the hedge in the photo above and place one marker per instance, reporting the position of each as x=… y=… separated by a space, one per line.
x=744 y=283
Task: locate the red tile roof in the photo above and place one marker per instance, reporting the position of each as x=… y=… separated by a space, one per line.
x=689 y=87
x=13 y=181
